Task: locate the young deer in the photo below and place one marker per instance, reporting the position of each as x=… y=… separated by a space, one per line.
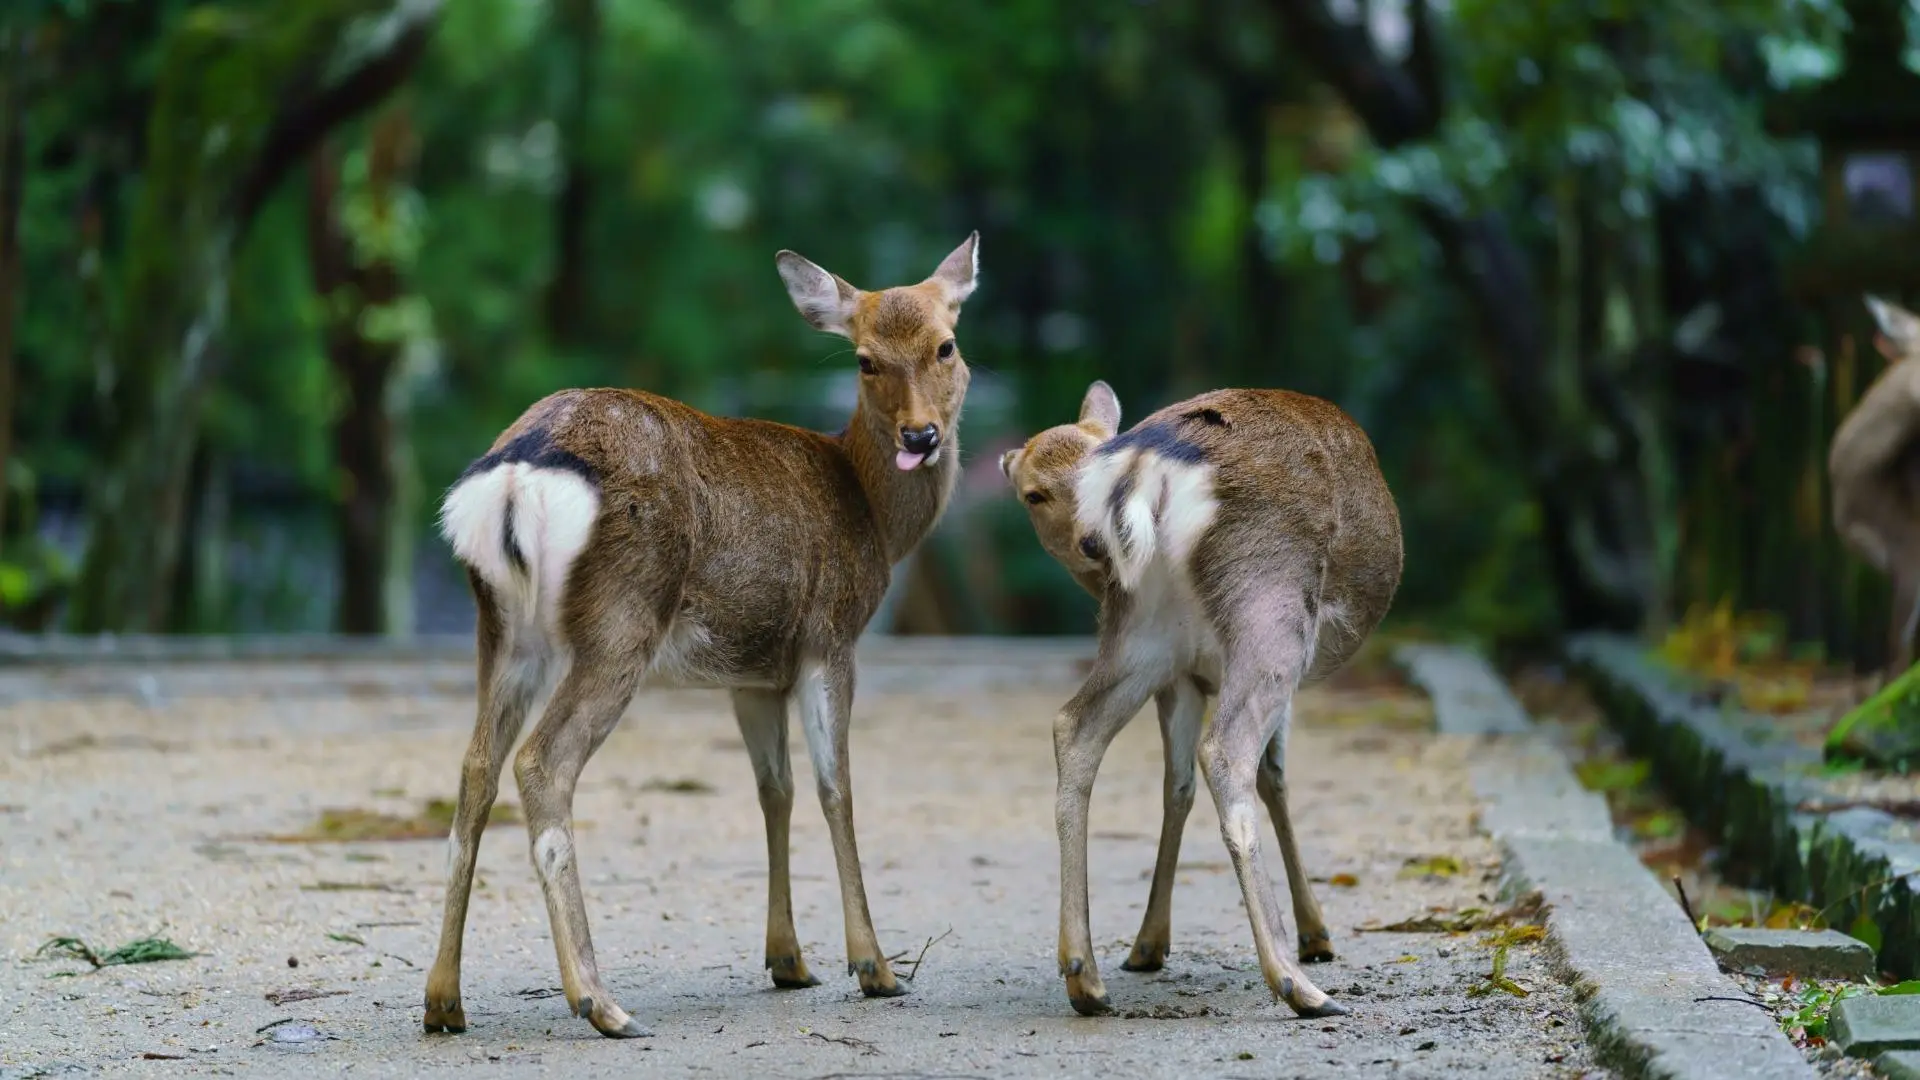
x=1242 y=542
x=1873 y=465
x=610 y=533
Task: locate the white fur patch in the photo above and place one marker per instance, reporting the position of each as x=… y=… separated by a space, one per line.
x=1170 y=507
x=553 y=516
x=816 y=721
x=679 y=648
x=552 y=854
x=453 y=850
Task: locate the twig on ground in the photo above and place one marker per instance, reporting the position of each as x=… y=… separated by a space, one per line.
x=861 y=1045
x=1741 y=1000
x=264 y=1028
x=931 y=942
x=1685 y=905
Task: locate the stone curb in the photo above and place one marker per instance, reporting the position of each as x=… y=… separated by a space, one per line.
x=1638 y=967
x=153 y=670
x=1748 y=793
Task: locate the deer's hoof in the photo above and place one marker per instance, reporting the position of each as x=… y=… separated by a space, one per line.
x=445 y=1015
x=1145 y=957
x=1328 y=1007
x=612 y=1021
x=1087 y=1005
x=790 y=973
x=1316 y=948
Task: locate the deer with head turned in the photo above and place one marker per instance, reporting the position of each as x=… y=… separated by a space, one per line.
x=609 y=534
x=1873 y=466
x=1241 y=543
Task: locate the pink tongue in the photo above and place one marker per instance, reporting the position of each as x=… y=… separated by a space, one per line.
x=908 y=462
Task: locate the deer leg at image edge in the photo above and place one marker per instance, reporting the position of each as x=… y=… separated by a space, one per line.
x=1182 y=707
x=1081 y=735
x=1316 y=942
x=824 y=696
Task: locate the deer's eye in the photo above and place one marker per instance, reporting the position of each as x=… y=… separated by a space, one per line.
x=1035 y=498
x=866 y=365
x=946 y=350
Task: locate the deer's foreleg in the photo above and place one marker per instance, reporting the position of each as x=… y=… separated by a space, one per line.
x=762 y=716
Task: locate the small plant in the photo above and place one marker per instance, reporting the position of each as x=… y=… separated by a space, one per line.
x=1498 y=979
x=1809 y=1022
x=146 y=950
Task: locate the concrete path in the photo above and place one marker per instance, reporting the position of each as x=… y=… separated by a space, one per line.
x=134 y=807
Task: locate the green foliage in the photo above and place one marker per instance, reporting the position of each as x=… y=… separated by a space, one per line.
x=1165 y=201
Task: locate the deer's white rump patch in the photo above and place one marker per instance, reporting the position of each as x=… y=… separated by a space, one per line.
x=548 y=512
x=1167 y=510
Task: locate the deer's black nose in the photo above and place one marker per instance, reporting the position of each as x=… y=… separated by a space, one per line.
x=920 y=442
x=1090 y=547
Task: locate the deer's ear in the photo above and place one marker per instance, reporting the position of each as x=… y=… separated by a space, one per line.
x=1899 y=326
x=1006 y=463
x=1100 y=411
x=825 y=300
x=959 y=272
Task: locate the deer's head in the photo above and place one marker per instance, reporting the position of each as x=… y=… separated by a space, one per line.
x=1044 y=470
x=1899 y=337
x=912 y=379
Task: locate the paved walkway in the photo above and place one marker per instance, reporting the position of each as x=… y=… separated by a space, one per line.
x=135 y=813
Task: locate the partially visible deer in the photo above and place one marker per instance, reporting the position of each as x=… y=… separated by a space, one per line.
x=1873 y=465
x=610 y=533
x=1242 y=542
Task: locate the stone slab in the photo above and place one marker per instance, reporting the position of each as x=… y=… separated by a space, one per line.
x=1814 y=954
x=1867 y=1026
x=1468 y=697
x=1899 y=1064
x=1647 y=982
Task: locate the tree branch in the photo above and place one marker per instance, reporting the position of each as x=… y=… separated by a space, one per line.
x=1388 y=99
x=305 y=120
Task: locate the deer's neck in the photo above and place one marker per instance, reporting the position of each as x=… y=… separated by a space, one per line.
x=906 y=505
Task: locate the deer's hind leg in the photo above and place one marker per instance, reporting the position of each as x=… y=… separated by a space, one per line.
x=585 y=707
x=762 y=715
x=511 y=674
x=1182 y=707
x=1269 y=641
x=1109 y=698
x=1316 y=942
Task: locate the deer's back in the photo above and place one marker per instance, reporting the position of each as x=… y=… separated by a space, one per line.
x=752 y=539
x=1298 y=487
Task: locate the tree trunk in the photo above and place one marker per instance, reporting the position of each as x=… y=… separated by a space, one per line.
x=567 y=292
x=12 y=181
x=1598 y=563
x=364 y=445
x=210 y=166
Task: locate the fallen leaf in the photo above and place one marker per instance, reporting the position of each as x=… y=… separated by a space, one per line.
x=1436 y=866
x=339 y=825
x=1343 y=881
x=683 y=786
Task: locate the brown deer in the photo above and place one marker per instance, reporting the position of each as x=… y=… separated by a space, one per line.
x=1241 y=542
x=613 y=533
x=1873 y=466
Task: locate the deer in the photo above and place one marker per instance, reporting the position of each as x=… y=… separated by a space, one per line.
x=610 y=535
x=1873 y=467
x=1241 y=543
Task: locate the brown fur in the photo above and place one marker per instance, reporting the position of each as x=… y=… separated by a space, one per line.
x=1873 y=465
x=748 y=555
x=1297 y=564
